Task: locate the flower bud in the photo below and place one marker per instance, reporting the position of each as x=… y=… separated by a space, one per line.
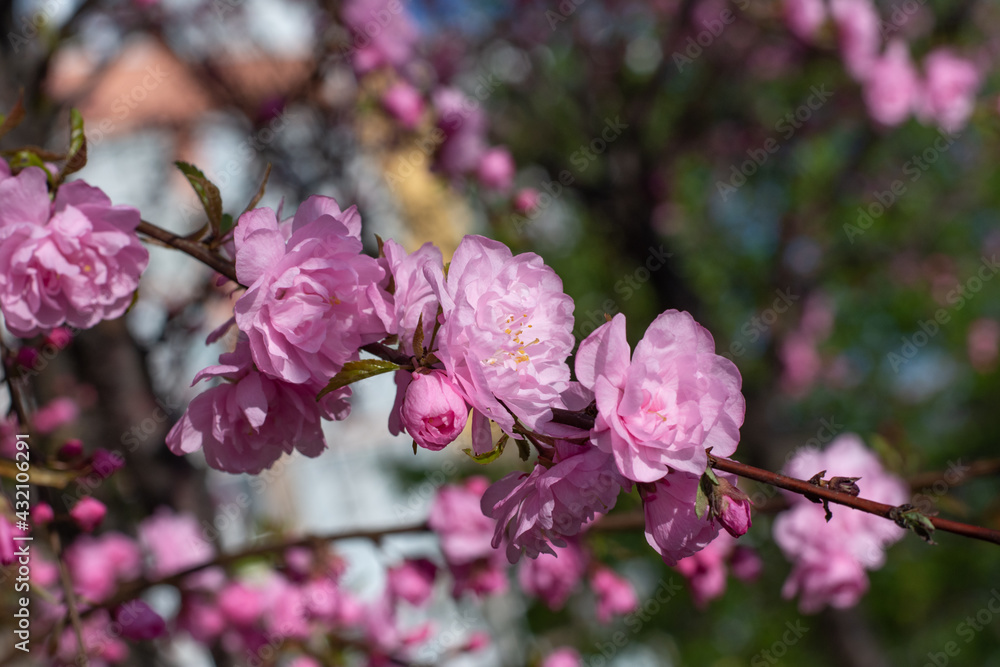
x=139 y=621
x=733 y=508
x=42 y=513
x=71 y=449
x=88 y=513
x=433 y=412
x=496 y=169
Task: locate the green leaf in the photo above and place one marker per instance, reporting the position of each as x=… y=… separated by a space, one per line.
x=357 y=370
x=711 y=475
x=14 y=118
x=701 y=503
x=490 y=456
x=76 y=156
x=209 y=195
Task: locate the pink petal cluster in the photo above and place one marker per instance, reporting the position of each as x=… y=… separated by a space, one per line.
x=949 y=90
x=551 y=577
x=496 y=169
x=413 y=581
x=892 y=88
x=804 y=17
x=382 y=34
x=98 y=564
x=661 y=409
x=88 y=513
x=830 y=559
x=857 y=24
x=464 y=125
x=563 y=657
x=466 y=535
x=508 y=329
x=533 y=511
x=313 y=299
x=248 y=422
x=706 y=571
x=405 y=103
x=174 y=542
x=673 y=527
x=615 y=594
x=433 y=411
x=75 y=260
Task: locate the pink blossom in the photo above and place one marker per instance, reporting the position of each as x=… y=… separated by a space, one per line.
x=804 y=17
x=139 y=622
x=891 y=89
x=413 y=581
x=486 y=576
x=405 y=103
x=241 y=604
x=563 y=657
x=666 y=406
x=458 y=521
x=312 y=300
x=552 y=503
x=673 y=528
x=508 y=329
x=246 y=424
x=174 y=542
x=71 y=449
x=526 y=200
x=464 y=126
x=99 y=644
x=433 y=412
x=830 y=558
x=107 y=463
x=551 y=577
x=496 y=169
x=382 y=34
x=55 y=413
x=76 y=260
x=97 y=564
x=857 y=24
x=801 y=362
x=615 y=594
x=202 y=619
x=88 y=513
x=42 y=513
x=706 y=571
x=949 y=92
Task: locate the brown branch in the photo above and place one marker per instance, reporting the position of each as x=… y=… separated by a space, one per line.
x=193 y=248
x=870 y=506
x=130 y=590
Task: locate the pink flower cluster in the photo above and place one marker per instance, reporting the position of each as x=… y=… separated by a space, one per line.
x=75 y=260
x=830 y=559
x=893 y=88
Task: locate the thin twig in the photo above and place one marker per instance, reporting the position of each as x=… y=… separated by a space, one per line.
x=193 y=248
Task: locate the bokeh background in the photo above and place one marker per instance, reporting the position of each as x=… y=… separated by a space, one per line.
x=700 y=155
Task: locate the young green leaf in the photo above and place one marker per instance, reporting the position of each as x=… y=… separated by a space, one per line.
x=357 y=370
x=209 y=195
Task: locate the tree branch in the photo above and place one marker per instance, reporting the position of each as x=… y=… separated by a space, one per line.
x=193 y=248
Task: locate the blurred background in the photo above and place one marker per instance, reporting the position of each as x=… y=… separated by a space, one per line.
x=833 y=230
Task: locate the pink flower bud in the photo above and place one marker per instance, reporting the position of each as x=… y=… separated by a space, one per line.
x=496 y=169
x=139 y=621
x=735 y=516
x=526 y=199
x=42 y=513
x=27 y=357
x=564 y=657
x=405 y=103
x=433 y=412
x=106 y=463
x=59 y=337
x=88 y=513
x=71 y=449
x=745 y=563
